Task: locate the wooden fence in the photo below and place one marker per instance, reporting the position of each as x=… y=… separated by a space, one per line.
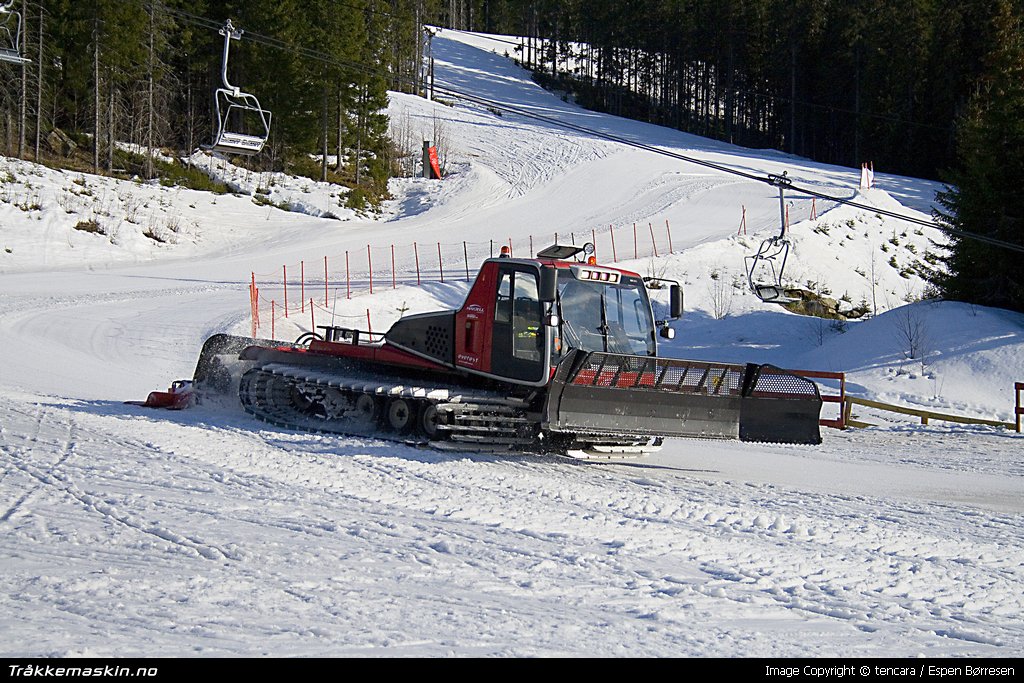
x=846 y=403
x=926 y=415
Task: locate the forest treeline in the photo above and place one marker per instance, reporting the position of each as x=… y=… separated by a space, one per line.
x=144 y=72
x=840 y=81
x=837 y=81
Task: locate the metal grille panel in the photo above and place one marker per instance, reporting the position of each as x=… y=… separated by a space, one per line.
x=773 y=382
x=659 y=374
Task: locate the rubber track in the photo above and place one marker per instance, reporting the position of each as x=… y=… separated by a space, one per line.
x=267 y=393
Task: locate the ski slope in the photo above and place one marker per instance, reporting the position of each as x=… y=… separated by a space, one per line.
x=128 y=532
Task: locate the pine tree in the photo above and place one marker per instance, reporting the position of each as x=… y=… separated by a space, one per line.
x=985 y=196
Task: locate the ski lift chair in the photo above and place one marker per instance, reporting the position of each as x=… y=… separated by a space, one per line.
x=10 y=36
x=764 y=278
x=232 y=106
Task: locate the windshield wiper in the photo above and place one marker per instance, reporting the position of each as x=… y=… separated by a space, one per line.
x=603 y=328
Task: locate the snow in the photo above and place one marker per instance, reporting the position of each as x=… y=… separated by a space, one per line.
x=130 y=532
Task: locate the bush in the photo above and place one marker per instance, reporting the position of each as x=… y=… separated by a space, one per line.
x=175 y=174
x=91 y=225
x=357 y=199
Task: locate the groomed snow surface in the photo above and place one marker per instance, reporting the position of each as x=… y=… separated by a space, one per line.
x=129 y=532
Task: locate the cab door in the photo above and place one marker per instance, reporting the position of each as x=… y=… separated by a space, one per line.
x=518 y=340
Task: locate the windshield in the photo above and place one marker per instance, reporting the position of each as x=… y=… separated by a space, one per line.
x=615 y=318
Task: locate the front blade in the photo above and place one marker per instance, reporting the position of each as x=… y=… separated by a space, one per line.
x=601 y=393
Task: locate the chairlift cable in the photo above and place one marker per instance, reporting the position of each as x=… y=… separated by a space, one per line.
x=500 y=106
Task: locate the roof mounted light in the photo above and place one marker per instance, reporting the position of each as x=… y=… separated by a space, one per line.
x=596 y=274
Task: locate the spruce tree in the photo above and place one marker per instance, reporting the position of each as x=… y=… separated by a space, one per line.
x=984 y=196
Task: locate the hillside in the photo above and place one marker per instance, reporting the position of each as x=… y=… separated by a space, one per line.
x=206 y=533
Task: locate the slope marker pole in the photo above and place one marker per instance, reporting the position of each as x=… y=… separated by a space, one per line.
x=416 y=250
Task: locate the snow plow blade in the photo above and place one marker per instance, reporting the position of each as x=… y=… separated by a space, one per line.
x=604 y=393
x=219 y=367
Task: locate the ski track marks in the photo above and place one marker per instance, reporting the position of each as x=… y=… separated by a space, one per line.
x=315 y=530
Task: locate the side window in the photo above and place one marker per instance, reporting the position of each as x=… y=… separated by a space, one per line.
x=526 y=318
x=503 y=307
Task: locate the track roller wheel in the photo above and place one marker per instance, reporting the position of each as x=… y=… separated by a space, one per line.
x=430 y=418
x=367 y=410
x=401 y=415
